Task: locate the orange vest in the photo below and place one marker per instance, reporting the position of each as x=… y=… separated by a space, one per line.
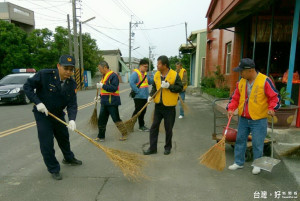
x=103 y=81
x=145 y=83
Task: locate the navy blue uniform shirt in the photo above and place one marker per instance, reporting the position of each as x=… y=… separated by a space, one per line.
x=51 y=93
x=111 y=85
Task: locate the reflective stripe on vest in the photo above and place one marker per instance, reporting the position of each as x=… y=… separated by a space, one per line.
x=168 y=98
x=181 y=72
x=103 y=81
x=258 y=101
x=145 y=83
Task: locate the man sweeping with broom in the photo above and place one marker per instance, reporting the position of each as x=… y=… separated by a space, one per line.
x=110 y=101
x=139 y=83
x=55 y=91
x=165 y=102
x=255 y=97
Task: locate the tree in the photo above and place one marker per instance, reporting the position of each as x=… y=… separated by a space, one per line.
x=42 y=50
x=13 y=49
x=185 y=60
x=91 y=53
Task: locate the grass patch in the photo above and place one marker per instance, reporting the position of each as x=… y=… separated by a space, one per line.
x=216 y=92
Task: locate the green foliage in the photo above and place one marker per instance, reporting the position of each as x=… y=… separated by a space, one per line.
x=208 y=82
x=217 y=92
x=14 y=51
x=285 y=96
x=185 y=60
x=219 y=77
x=41 y=48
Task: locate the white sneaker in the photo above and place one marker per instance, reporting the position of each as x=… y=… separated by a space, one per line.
x=256 y=170
x=235 y=167
x=180 y=117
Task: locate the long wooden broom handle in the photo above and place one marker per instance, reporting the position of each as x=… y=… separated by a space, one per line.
x=152 y=97
x=227 y=125
x=77 y=131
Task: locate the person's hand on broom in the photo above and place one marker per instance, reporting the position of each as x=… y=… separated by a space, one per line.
x=42 y=108
x=165 y=84
x=230 y=113
x=72 y=125
x=99 y=85
x=97 y=99
x=149 y=99
x=271 y=113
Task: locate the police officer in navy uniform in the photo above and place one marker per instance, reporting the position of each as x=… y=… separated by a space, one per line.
x=55 y=91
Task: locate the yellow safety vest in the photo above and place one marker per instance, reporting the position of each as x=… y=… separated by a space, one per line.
x=103 y=81
x=141 y=77
x=181 y=72
x=258 y=101
x=168 y=98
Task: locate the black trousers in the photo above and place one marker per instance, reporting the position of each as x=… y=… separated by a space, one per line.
x=48 y=128
x=105 y=111
x=139 y=104
x=168 y=114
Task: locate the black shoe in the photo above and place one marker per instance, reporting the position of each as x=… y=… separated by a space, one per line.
x=72 y=162
x=148 y=152
x=56 y=176
x=144 y=128
x=167 y=152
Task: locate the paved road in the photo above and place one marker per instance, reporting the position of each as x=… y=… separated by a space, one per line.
x=178 y=177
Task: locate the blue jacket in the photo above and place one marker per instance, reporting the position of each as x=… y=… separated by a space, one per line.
x=50 y=92
x=141 y=93
x=111 y=85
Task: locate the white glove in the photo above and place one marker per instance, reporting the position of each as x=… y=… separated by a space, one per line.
x=72 y=125
x=42 y=108
x=99 y=85
x=97 y=99
x=149 y=99
x=165 y=84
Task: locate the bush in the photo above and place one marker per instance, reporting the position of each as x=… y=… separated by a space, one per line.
x=217 y=92
x=208 y=82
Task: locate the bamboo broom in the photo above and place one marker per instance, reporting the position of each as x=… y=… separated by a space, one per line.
x=129 y=124
x=215 y=157
x=183 y=105
x=93 y=122
x=131 y=164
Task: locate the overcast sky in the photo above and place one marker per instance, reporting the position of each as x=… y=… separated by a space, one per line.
x=113 y=17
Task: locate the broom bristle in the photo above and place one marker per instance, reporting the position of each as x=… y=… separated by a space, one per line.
x=290 y=152
x=215 y=157
x=94 y=119
x=131 y=164
x=122 y=128
x=184 y=106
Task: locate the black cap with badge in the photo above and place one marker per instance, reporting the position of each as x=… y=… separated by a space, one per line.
x=67 y=60
x=245 y=63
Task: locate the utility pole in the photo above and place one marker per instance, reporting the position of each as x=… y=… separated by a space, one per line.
x=129 y=57
x=149 y=59
x=69 y=36
x=186 y=39
x=135 y=24
x=76 y=54
x=81 y=49
x=81 y=54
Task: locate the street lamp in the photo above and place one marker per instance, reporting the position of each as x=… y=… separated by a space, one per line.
x=81 y=48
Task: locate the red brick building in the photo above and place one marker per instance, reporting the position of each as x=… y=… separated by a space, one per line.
x=256 y=29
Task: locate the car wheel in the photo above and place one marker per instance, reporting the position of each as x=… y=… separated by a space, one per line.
x=26 y=100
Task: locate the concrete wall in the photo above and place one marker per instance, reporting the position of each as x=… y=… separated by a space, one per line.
x=113 y=62
x=20 y=16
